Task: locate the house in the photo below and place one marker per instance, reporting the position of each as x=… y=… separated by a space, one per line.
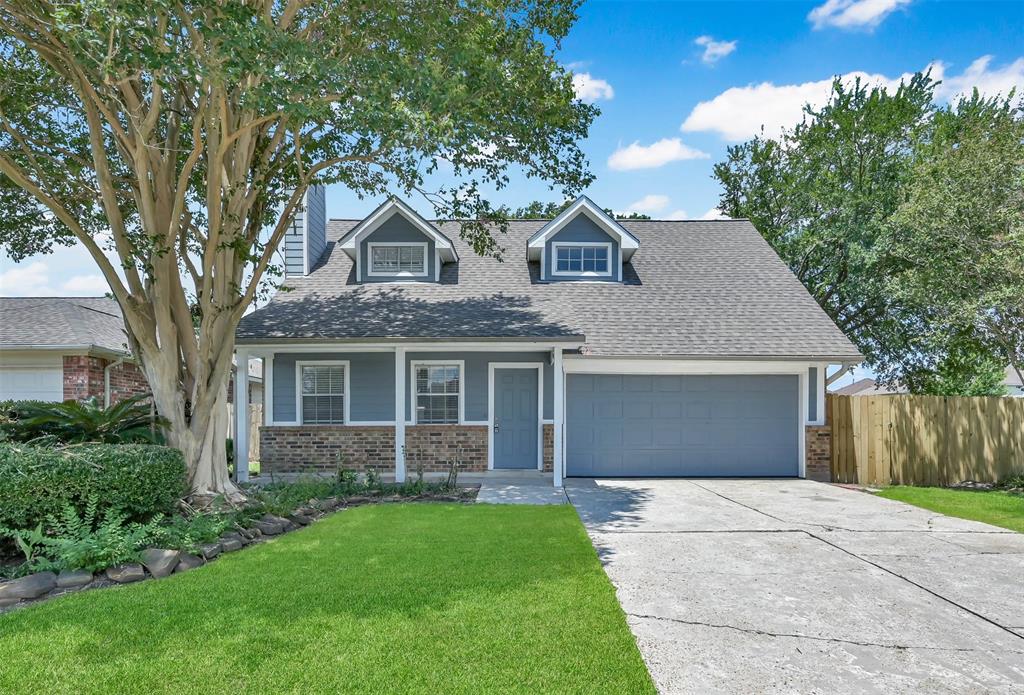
x=595 y=347
x=73 y=348
x=65 y=348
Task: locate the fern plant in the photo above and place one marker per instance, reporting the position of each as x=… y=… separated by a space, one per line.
x=74 y=422
x=84 y=542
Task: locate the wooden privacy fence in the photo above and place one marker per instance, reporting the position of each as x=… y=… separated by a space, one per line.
x=255 y=422
x=925 y=440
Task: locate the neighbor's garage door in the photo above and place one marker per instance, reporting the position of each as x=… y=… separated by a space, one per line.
x=666 y=425
x=31 y=383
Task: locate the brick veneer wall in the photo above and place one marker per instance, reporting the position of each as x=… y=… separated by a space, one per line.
x=819 y=452
x=83 y=378
x=436 y=445
x=126 y=380
x=322 y=448
x=549 y=447
x=300 y=448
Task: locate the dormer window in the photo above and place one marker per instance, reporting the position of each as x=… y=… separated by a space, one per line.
x=583 y=243
x=582 y=259
x=398 y=259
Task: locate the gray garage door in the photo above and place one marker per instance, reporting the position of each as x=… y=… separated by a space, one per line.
x=647 y=426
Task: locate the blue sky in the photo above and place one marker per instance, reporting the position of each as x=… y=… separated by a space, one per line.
x=677 y=82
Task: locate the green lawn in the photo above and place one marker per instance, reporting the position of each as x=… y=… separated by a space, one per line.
x=993 y=507
x=399 y=598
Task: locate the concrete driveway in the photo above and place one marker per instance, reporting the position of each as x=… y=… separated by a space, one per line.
x=791 y=586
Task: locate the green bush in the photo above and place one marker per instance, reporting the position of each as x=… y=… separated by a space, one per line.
x=76 y=422
x=85 y=542
x=38 y=482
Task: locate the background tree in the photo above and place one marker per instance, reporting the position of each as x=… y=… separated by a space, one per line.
x=903 y=222
x=175 y=140
x=536 y=210
x=960 y=231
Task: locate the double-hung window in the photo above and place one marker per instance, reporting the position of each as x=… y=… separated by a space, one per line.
x=322 y=392
x=438 y=391
x=591 y=259
x=397 y=259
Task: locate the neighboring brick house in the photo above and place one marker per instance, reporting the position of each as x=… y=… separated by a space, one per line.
x=65 y=348
x=73 y=348
x=596 y=348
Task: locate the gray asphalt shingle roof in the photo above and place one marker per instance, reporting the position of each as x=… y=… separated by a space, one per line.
x=73 y=322
x=700 y=289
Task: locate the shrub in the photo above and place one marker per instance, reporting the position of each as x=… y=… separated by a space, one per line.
x=188 y=533
x=38 y=482
x=85 y=542
x=74 y=422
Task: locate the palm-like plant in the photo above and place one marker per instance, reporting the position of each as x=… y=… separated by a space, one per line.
x=74 y=422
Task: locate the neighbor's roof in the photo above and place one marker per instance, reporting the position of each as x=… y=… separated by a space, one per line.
x=79 y=323
x=694 y=289
x=868 y=387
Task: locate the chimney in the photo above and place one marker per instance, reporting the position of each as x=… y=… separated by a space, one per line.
x=306 y=238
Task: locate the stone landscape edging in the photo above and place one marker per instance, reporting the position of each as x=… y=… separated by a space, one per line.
x=157 y=563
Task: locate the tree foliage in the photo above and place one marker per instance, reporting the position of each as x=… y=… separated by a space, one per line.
x=897 y=216
x=537 y=210
x=175 y=141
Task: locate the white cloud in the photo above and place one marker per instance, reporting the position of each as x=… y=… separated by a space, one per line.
x=590 y=89
x=33 y=280
x=86 y=285
x=714 y=50
x=989 y=82
x=651 y=202
x=739 y=112
x=714 y=214
x=677 y=215
x=637 y=156
x=853 y=14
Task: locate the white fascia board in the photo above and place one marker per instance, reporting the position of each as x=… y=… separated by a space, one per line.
x=627 y=242
x=583 y=365
x=394 y=206
x=265 y=349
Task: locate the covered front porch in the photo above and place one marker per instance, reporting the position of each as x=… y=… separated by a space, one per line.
x=491 y=407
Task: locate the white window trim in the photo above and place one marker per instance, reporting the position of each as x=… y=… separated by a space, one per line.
x=461 y=364
x=346 y=397
x=539 y=366
x=555 y=272
x=370 y=272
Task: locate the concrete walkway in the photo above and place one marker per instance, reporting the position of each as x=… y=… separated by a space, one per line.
x=515 y=487
x=791 y=586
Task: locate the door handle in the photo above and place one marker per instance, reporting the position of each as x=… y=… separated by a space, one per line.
x=496 y=427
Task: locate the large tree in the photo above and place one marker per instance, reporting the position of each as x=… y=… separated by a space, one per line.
x=903 y=221
x=823 y=194
x=175 y=139
x=960 y=232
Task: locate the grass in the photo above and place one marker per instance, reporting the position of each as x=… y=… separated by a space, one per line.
x=992 y=507
x=406 y=597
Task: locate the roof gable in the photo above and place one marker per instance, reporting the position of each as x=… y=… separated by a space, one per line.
x=390 y=207
x=583 y=206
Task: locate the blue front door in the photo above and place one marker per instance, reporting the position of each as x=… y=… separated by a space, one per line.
x=515 y=418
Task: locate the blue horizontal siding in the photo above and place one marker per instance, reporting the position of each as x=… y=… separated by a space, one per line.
x=372 y=381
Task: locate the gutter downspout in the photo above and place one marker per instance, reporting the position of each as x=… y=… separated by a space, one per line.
x=106 y=381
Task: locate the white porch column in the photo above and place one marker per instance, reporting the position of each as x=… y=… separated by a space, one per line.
x=559 y=407
x=241 y=415
x=268 y=388
x=400 y=415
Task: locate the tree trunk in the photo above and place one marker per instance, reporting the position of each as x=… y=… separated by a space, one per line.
x=197 y=426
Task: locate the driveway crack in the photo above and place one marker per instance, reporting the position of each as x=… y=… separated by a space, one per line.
x=797 y=635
